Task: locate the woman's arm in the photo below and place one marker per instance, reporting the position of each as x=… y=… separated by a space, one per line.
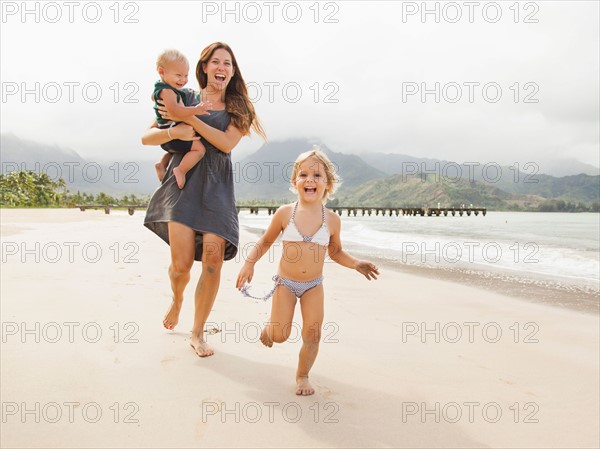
x=155 y=136
x=224 y=141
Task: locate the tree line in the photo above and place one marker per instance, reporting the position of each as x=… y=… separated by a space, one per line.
x=30 y=189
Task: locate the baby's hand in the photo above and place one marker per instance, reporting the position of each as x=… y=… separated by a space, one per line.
x=203 y=108
x=367 y=269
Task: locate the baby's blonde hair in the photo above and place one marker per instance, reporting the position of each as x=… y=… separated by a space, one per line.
x=333 y=179
x=170 y=55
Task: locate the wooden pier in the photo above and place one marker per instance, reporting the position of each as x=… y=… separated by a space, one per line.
x=409 y=211
x=350 y=211
x=108 y=207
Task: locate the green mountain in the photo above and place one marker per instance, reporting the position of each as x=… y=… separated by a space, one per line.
x=394 y=163
x=575 y=188
x=523 y=180
x=418 y=191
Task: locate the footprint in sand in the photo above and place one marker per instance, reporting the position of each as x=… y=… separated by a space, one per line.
x=325 y=392
x=506 y=381
x=168 y=360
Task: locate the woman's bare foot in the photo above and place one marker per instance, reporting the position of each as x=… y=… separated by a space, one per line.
x=200 y=346
x=265 y=339
x=160 y=171
x=304 y=387
x=172 y=317
x=179 y=177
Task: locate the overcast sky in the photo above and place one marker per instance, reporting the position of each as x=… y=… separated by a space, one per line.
x=516 y=83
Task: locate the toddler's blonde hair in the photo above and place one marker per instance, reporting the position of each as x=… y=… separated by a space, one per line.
x=170 y=55
x=333 y=179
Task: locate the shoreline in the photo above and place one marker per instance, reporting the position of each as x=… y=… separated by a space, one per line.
x=543 y=290
x=522 y=288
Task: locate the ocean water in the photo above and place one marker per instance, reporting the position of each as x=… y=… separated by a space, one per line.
x=558 y=247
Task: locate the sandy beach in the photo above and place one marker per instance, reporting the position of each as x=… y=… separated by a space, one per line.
x=405 y=361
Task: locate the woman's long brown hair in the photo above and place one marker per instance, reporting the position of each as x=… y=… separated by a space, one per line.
x=237 y=102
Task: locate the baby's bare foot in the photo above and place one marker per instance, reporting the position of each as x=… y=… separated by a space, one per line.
x=201 y=347
x=160 y=171
x=179 y=177
x=265 y=339
x=304 y=387
x=172 y=317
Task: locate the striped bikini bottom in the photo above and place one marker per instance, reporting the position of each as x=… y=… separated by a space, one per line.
x=296 y=287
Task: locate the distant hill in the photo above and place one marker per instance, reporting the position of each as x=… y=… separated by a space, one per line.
x=525 y=179
x=83 y=175
x=427 y=191
x=14 y=149
x=372 y=179
x=567 y=167
x=576 y=188
x=394 y=163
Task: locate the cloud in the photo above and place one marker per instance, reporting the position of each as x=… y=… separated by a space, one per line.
x=344 y=72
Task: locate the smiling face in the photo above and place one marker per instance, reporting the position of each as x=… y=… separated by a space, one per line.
x=311 y=180
x=175 y=73
x=219 y=69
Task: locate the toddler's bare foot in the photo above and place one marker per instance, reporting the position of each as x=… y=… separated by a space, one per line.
x=179 y=177
x=265 y=339
x=172 y=317
x=304 y=387
x=160 y=171
x=200 y=346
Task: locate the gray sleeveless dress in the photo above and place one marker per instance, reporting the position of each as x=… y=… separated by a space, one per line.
x=206 y=203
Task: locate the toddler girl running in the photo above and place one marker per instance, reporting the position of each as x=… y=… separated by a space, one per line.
x=310 y=233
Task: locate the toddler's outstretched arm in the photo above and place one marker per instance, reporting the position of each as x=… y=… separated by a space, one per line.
x=338 y=255
x=261 y=247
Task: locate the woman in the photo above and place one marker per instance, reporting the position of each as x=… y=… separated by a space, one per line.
x=200 y=222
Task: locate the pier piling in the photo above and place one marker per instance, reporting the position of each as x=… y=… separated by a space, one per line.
x=350 y=211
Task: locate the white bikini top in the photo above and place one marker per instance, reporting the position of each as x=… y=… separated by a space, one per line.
x=292 y=234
